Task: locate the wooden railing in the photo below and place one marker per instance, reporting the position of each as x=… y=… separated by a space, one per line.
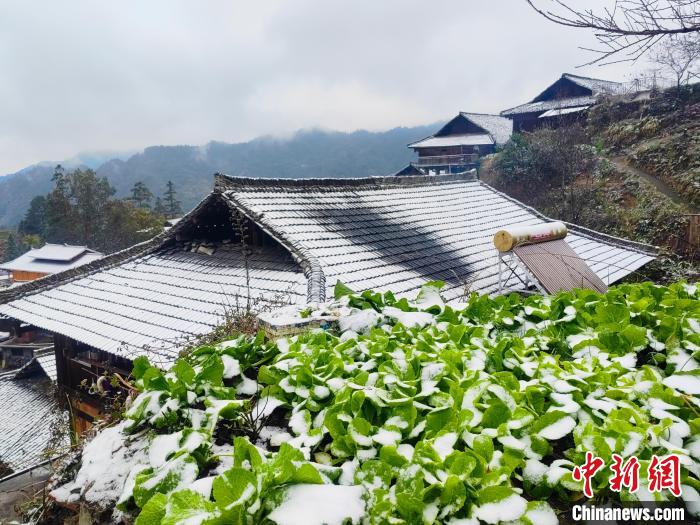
x=448 y=160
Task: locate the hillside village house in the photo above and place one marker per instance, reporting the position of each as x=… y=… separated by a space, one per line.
x=47 y=260
x=35 y=264
x=564 y=101
x=459 y=144
x=280 y=241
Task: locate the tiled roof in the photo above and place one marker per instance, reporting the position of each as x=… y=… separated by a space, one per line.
x=52 y=258
x=565 y=111
x=58 y=252
x=546 y=105
x=385 y=233
x=29 y=414
x=496 y=130
x=398 y=233
x=468 y=139
x=47 y=362
x=599 y=86
x=147 y=305
x=499 y=127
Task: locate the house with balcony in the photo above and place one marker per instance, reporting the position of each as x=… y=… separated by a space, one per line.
x=459 y=144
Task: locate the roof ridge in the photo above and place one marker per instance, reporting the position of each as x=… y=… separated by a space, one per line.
x=224 y=183
x=482 y=114
x=311 y=266
x=565 y=75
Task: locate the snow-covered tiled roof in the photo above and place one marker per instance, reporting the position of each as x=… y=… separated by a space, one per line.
x=546 y=105
x=469 y=139
x=47 y=362
x=500 y=128
x=599 y=86
x=52 y=258
x=398 y=233
x=564 y=111
x=383 y=233
x=596 y=86
x=29 y=415
x=487 y=130
x=148 y=305
x=58 y=252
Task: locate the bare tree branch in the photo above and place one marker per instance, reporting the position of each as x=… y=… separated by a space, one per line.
x=630 y=28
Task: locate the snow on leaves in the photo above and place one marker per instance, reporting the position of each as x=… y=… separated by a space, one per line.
x=423 y=413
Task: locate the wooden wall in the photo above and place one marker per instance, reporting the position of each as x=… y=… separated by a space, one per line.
x=21 y=276
x=78 y=366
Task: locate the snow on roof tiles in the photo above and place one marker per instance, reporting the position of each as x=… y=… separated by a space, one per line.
x=599 y=86
x=396 y=235
x=469 y=139
x=500 y=128
x=498 y=131
x=52 y=258
x=149 y=305
x=29 y=413
x=546 y=105
x=58 y=252
x=382 y=233
x=564 y=111
x=47 y=362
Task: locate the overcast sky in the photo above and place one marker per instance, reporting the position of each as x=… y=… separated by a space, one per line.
x=85 y=76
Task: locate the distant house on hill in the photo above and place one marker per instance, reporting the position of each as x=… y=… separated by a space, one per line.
x=459 y=144
x=565 y=100
x=47 y=260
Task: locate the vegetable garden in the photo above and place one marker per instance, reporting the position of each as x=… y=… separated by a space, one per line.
x=412 y=412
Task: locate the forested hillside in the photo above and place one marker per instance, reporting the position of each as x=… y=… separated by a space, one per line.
x=313 y=153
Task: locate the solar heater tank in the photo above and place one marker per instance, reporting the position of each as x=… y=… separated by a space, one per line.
x=507 y=239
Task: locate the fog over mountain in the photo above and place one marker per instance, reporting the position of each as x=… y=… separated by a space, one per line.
x=309 y=153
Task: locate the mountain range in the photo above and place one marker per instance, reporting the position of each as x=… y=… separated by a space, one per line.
x=308 y=153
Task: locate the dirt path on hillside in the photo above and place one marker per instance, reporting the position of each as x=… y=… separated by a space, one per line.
x=622 y=164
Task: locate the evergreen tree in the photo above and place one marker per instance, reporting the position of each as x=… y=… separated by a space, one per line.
x=34 y=222
x=172 y=205
x=81 y=210
x=141 y=195
x=59 y=213
x=158 y=208
x=13 y=248
x=90 y=196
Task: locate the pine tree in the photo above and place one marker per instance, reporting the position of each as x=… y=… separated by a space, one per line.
x=172 y=205
x=13 y=248
x=34 y=222
x=141 y=196
x=59 y=212
x=158 y=208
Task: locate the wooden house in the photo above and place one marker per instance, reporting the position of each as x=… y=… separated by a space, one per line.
x=47 y=260
x=459 y=144
x=279 y=241
x=564 y=101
